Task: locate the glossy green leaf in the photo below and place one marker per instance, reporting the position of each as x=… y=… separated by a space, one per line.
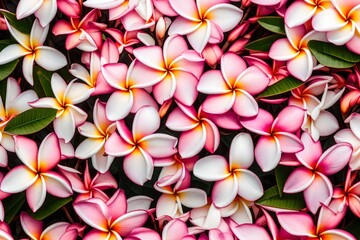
x=333 y=56
x=44 y=78
x=263 y=44
x=281 y=174
x=7 y=69
x=23 y=25
x=273 y=24
x=12 y=205
x=285 y=85
x=31 y=121
x=51 y=205
x=271 y=198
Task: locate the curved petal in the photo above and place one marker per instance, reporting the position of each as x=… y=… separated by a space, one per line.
x=159 y=145
x=326 y=123
x=334 y=159
x=211 y=168
x=249 y=231
x=119 y=105
x=297 y=223
x=165 y=89
x=298 y=13
x=55 y=230
x=46 y=12
x=192 y=197
x=185 y=91
x=18 y=179
x=26 y=8
x=77 y=92
x=31 y=227
x=267 y=153
x=27 y=68
x=149 y=115
x=342 y=35
x=245 y=105
x=225 y=191
x=49 y=153
x=289 y=143
x=250 y=187
x=92 y=213
x=328 y=20
x=282 y=50
x=27 y=151
x=115 y=75
x=117 y=146
x=299 y=180
x=64 y=125
x=151 y=56
x=36 y=194
x=179 y=121
x=117 y=204
x=260 y=124
x=212 y=82
x=174 y=230
x=336 y=234
x=302 y=65
x=187 y=9
x=192 y=142
x=49 y=58
x=138 y=166
x=129 y=221
x=311 y=153
x=21 y=102
x=219 y=103
x=292 y=114
x=57 y=185
x=11 y=53
x=200 y=37
x=142 y=98
x=226 y=16
x=228 y=71
x=241 y=154
x=212 y=135
x=166 y=205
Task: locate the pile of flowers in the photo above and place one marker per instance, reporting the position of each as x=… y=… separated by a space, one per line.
x=169 y=119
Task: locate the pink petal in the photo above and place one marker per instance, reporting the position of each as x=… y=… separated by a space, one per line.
x=174 y=230
x=328 y=20
x=36 y=194
x=219 y=103
x=151 y=116
x=250 y=187
x=253 y=80
x=179 y=121
x=228 y=120
x=27 y=68
x=298 y=13
x=260 y=124
x=302 y=65
x=143 y=233
x=185 y=91
x=326 y=123
x=226 y=16
x=150 y=56
x=49 y=58
x=342 y=35
x=89 y=147
x=354 y=204
x=79 y=115
x=21 y=102
x=115 y=75
x=92 y=213
x=292 y=114
x=31 y=227
x=173 y=47
x=159 y=145
x=200 y=37
x=57 y=185
x=18 y=179
x=165 y=89
x=129 y=221
x=64 y=125
x=297 y=223
x=77 y=92
x=336 y=234
x=27 y=151
x=62 y=27
x=299 y=180
x=241 y=154
x=282 y=50
x=138 y=166
x=245 y=105
x=192 y=142
x=212 y=82
x=166 y=205
x=249 y=231
x=117 y=146
x=192 y=197
x=142 y=98
x=125 y=99
x=186 y=9
x=97 y=234
x=49 y=153
x=334 y=159
x=117 y=204
x=319 y=191
x=311 y=153
x=267 y=153
x=289 y=143
x=26 y=8
x=211 y=168
x=55 y=230
x=212 y=135
x=225 y=191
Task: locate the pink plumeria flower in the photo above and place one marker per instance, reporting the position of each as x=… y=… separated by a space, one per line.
x=16 y=102
x=198 y=132
x=36 y=175
x=169 y=70
x=123 y=40
x=299 y=12
x=140 y=145
x=97 y=134
x=176 y=229
x=84 y=34
x=32 y=49
x=294 y=50
x=110 y=219
x=44 y=10
x=232 y=178
x=233 y=87
x=68 y=115
x=301 y=224
x=312 y=178
x=129 y=94
x=340 y=22
x=89 y=187
x=276 y=135
x=202 y=21
x=352 y=136
x=34 y=229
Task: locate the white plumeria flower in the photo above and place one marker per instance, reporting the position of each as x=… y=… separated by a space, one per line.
x=44 y=10
x=68 y=116
x=31 y=48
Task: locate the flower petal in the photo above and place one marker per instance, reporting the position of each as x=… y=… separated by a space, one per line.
x=36 y=194
x=150 y=56
x=186 y=9
x=282 y=50
x=26 y=8
x=328 y=20
x=57 y=185
x=249 y=231
x=260 y=124
x=267 y=153
x=299 y=180
x=192 y=197
x=326 y=123
x=224 y=191
x=250 y=187
x=297 y=223
x=226 y=16
x=241 y=154
x=289 y=143
x=130 y=221
x=192 y=142
x=159 y=145
x=18 y=179
x=245 y=105
x=117 y=146
x=219 y=103
x=138 y=166
x=334 y=159
x=49 y=58
x=89 y=147
x=212 y=82
x=92 y=213
x=11 y=53
x=292 y=114
x=27 y=151
x=119 y=105
x=302 y=65
x=211 y=168
x=151 y=116
x=31 y=227
x=49 y=153
x=298 y=13
x=200 y=37
x=64 y=125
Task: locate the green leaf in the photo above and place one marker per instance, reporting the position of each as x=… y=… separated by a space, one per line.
x=281 y=174
x=51 y=205
x=5 y=43
x=7 y=69
x=31 y=121
x=273 y=24
x=333 y=56
x=263 y=44
x=23 y=25
x=44 y=78
x=271 y=198
x=285 y=85
x=12 y=205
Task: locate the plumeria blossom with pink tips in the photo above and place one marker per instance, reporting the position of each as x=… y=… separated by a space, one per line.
x=35 y=175
x=312 y=178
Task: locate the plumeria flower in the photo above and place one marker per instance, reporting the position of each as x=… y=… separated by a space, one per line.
x=176 y=229
x=123 y=40
x=140 y=145
x=352 y=136
x=32 y=49
x=68 y=116
x=203 y=22
x=84 y=34
x=197 y=131
x=299 y=12
x=340 y=23
x=301 y=224
x=205 y=218
x=44 y=10
x=294 y=50
x=97 y=134
x=169 y=70
x=110 y=219
x=233 y=87
x=16 y=102
x=232 y=178
x=36 y=175
x=276 y=135
x=59 y=230
x=312 y=178
x=89 y=187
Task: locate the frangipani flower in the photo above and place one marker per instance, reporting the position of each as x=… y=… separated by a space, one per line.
x=341 y=23
x=197 y=131
x=231 y=178
x=276 y=135
x=36 y=175
x=312 y=178
x=203 y=22
x=140 y=145
x=176 y=229
x=68 y=116
x=110 y=219
x=31 y=48
x=233 y=87
x=97 y=134
x=123 y=40
x=294 y=50
x=169 y=70
x=301 y=224
x=44 y=10
x=16 y=102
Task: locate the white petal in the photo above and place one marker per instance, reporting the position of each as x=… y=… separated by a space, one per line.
x=50 y=58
